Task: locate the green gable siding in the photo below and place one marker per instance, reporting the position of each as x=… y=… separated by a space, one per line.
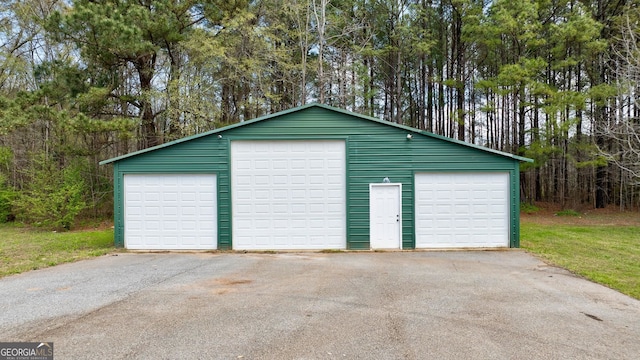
x=374 y=150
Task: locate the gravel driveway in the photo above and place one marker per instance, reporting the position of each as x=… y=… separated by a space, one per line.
x=359 y=305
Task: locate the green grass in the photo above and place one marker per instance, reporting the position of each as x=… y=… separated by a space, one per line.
x=331 y=251
x=568 y=212
x=23 y=249
x=606 y=254
x=529 y=208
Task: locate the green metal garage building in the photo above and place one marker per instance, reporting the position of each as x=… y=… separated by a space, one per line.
x=316 y=177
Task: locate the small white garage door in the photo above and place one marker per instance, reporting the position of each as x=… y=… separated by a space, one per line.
x=170 y=211
x=288 y=195
x=456 y=210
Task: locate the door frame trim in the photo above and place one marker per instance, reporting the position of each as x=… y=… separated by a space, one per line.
x=399 y=186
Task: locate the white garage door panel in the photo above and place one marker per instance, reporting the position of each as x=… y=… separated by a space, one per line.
x=170 y=211
x=462 y=210
x=288 y=195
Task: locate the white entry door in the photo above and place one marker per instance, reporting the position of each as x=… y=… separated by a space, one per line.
x=385 y=214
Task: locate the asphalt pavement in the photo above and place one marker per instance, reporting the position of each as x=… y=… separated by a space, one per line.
x=352 y=305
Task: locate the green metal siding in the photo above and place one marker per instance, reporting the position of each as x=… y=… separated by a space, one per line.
x=515 y=207
x=202 y=155
x=374 y=151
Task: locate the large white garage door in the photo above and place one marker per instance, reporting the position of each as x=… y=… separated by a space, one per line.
x=288 y=195
x=170 y=211
x=456 y=210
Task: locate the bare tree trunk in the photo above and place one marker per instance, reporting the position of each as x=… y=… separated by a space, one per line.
x=430 y=95
x=398 y=86
x=458 y=50
x=303 y=40
x=321 y=23
x=145 y=66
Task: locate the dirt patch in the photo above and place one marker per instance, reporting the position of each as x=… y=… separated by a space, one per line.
x=232 y=281
x=222 y=291
x=225 y=286
x=216 y=286
x=93 y=225
x=548 y=215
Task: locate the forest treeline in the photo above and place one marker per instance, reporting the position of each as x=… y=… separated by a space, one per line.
x=82 y=81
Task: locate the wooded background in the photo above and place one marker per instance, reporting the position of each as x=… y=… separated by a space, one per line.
x=83 y=81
